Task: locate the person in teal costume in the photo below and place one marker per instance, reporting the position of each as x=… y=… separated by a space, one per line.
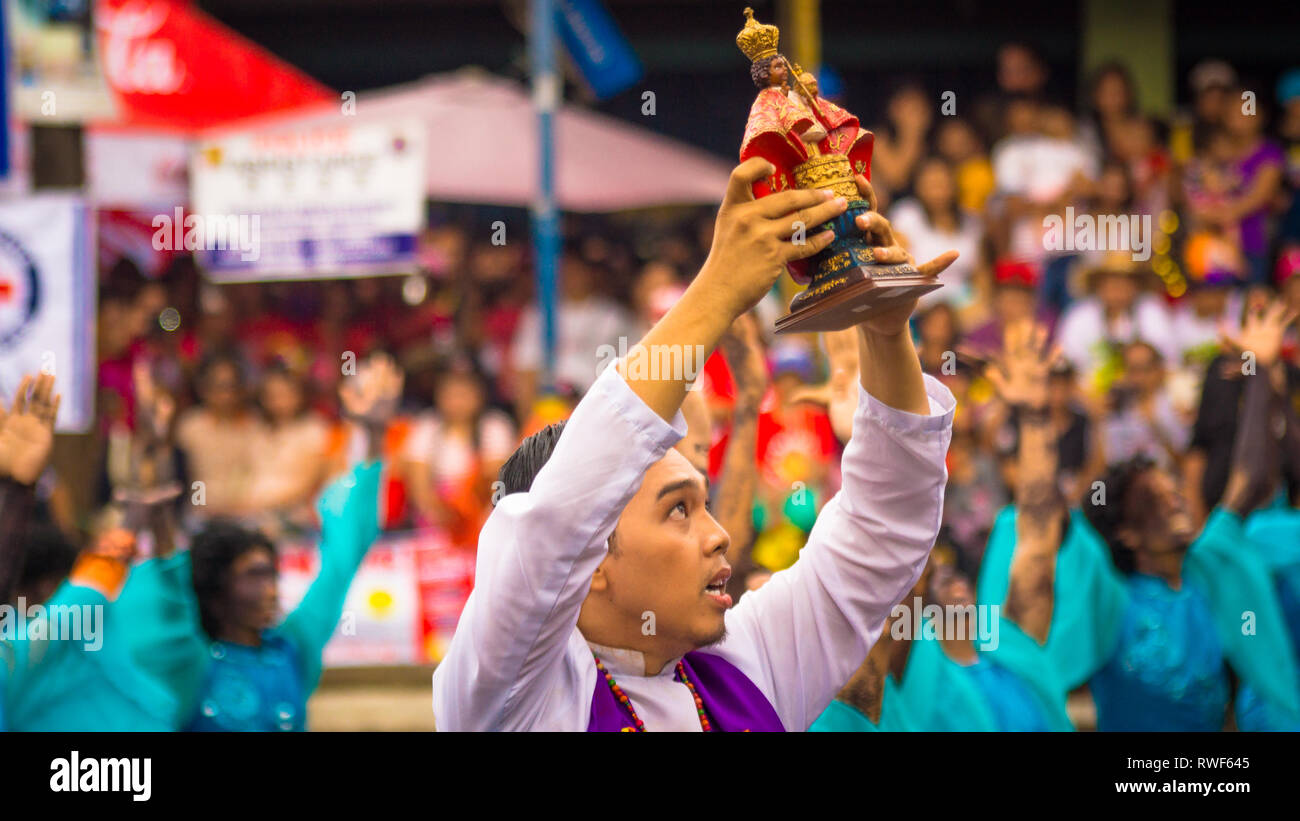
x=1151 y=613
x=50 y=681
x=990 y=677
x=202 y=622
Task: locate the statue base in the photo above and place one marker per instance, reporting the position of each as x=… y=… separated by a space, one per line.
x=847 y=284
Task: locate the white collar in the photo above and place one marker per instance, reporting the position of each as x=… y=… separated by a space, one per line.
x=620 y=661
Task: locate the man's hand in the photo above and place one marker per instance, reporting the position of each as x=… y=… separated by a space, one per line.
x=889 y=251
x=753 y=239
x=27 y=429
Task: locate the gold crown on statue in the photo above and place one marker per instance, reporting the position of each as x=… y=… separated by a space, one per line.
x=757 y=40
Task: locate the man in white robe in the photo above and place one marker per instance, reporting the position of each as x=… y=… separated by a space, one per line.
x=604 y=547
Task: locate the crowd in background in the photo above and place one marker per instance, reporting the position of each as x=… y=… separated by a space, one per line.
x=241 y=380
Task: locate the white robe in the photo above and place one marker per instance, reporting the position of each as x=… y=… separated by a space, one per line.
x=518 y=660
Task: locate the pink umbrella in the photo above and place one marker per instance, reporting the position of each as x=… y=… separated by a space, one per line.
x=482 y=146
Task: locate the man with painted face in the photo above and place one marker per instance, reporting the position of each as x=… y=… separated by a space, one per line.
x=600 y=598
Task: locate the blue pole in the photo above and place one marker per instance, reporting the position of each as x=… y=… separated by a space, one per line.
x=546 y=224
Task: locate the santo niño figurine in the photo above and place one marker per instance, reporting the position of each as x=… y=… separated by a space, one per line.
x=814 y=143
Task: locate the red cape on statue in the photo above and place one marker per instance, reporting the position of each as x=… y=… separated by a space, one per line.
x=772 y=133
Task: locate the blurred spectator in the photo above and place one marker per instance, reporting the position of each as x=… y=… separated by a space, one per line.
x=960 y=144
x=1288 y=130
x=1258 y=164
x=900 y=144
x=1015 y=286
x=931 y=222
x=219 y=438
x=1142 y=420
x=585 y=320
x=1214 y=269
x=1112 y=100
x=290 y=466
x=1118 y=309
x=1041 y=168
x=1210 y=81
x=454 y=453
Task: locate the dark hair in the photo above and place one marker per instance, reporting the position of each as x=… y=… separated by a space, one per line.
x=522 y=467
x=761 y=70
x=212 y=553
x=1117 y=508
x=49 y=555
x=1108 y=69
x=216 y=359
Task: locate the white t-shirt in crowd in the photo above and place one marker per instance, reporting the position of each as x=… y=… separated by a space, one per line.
x=925 y=242
x=582 y=328
x=451 y=460
x=1037 y=168
x=1083 y=329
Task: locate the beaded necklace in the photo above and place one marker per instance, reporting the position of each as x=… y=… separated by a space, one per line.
x=627 y=702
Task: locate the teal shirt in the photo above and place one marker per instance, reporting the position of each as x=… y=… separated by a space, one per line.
x=216 y=685
x=68 y=685
x=1093 y=600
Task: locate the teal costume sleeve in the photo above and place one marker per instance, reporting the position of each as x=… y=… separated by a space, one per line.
x=940 y=695
x=68 y=685
x=1275 y=533
x=1089 y=595
x=1228 y=568
x=1018 y=652
x=157 y=617
x=840 y=717
x=349 y=511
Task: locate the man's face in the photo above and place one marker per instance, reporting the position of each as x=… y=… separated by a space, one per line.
x=664 y=579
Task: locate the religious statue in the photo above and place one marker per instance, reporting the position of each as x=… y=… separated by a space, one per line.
x=814 y=143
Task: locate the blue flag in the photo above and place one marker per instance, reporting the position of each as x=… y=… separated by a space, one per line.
x=597 y=46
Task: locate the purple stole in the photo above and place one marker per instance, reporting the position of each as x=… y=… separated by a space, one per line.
x=733 y=702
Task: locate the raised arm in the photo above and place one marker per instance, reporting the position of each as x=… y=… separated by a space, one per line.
x=540 y=547
x=349 y=511
x=1020 y=377
x=807 y=630
x=26 y=438
x=1256 y=456
x=733 y=502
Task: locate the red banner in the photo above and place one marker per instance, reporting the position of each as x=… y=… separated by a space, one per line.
x=171 y=65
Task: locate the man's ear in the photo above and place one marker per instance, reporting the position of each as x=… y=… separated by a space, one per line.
x=599 y=579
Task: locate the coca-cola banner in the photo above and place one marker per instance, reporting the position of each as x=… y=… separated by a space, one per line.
x=332 y=200
x=171 y=65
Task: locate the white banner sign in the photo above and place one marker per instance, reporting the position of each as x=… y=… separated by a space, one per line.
x=47 y=299
x=338 y=200
x=138 y=170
